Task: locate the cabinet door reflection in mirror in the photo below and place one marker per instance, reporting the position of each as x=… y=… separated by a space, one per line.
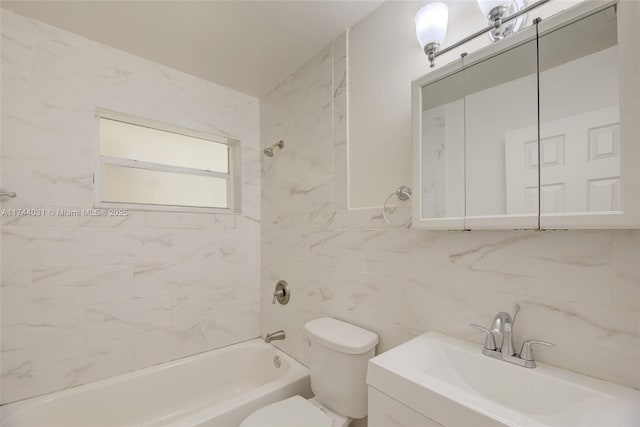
x=579 y=117
x=501 y=160
x=443 y=148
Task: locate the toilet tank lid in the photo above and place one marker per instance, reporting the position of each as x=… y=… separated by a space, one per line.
x=340 y=336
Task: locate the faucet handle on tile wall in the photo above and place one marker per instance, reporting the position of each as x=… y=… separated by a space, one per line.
x=282 y=293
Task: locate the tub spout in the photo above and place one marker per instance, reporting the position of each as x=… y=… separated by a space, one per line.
x=277 y=335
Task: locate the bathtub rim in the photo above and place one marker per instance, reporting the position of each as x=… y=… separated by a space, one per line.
x=296 y=372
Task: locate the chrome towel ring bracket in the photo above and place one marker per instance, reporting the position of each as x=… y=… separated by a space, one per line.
x=404 y=193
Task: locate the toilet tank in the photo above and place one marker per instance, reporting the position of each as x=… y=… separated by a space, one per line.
x=338 y=365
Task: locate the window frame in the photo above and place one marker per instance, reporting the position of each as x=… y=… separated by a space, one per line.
x=232 y=177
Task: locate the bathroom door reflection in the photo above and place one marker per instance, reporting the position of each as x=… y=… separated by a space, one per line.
x=500 y=106
x=579 y=116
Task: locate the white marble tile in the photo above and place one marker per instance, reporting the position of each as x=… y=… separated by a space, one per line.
x=326 y=220
x=340 y=124
x=179 y=278
x=440 y=308
x=19 y=380
x=66 y=287
x=339 y=52
x=176 y=220
x=111 y=278
x=127 y=318
x=48 y=217
x=159 y=345
x=410 y=254
x=372 y=217
x=390 y=333
x=58 y=328
x=214 y=304
x=28 y=138
x=296 y=342
x=319 y=61
x=336 y=248
x=44 y=247
x=134 y=219
x=17 y=53
x=299 y=195
x=16 y=279
x=600 y=342
x=43 y=369
x=309 y=160
x=572 y=267
x=16 y=176
x=340 y=188
x=129 y=245
x=339 y=46
x=625 y=269
x=345 y=292
x=102 y=360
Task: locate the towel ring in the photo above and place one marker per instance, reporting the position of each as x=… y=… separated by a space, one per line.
x=404 y=193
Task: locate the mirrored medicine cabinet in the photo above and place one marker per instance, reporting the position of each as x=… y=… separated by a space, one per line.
x=538 y=131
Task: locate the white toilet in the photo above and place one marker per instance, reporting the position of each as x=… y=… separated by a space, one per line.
x=339 y=355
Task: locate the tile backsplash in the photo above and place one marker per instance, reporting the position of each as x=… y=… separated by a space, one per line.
x=578 y=289
x=84 y=298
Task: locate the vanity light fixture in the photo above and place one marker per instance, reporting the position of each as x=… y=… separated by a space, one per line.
x=497 y=11
x=431 y=27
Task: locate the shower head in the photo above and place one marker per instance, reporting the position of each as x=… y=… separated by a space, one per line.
x=269 y=150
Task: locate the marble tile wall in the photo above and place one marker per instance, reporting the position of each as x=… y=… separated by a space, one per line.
x=84 y=298
x=578 y=289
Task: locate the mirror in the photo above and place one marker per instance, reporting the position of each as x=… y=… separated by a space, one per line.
x=443 y=148
x=579 y=116
x=501 y=99
x=469 y=120
x=535 y=132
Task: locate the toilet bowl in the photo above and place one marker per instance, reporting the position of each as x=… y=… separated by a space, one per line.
x=338 y=367
x=296 y=411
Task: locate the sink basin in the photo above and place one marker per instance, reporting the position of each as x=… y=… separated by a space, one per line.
x=453 y=383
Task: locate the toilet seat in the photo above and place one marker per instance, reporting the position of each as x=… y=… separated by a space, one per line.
x=295 y=411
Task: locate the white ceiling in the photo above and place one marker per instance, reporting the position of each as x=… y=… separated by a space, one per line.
x=250 y=46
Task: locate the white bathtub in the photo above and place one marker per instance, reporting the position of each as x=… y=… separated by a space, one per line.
x=217 y=388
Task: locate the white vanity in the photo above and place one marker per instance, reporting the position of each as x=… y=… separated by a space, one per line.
x=436 y=380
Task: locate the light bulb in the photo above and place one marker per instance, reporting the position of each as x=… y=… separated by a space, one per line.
x=431 y=23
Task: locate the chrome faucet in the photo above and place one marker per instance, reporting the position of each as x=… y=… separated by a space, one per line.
x=277 y=335
x=499 y=341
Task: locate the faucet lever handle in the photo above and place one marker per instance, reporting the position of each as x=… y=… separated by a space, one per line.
x=489 y=341
x=526 y=351
x=276 y=294
x=281 y=293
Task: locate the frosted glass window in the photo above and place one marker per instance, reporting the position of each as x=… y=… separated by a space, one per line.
x=129 y=141
x=140 y=186
x=144 y=167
